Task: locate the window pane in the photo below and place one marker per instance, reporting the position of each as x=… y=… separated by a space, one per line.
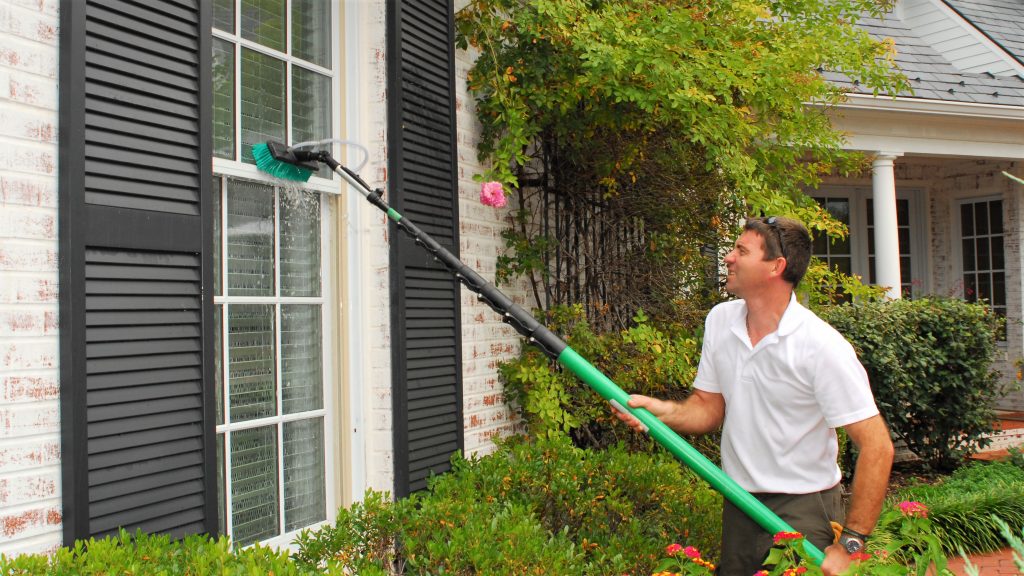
x=970 y=288
x=906 y=277
x=216 y=192
x=902 y=212
x=841 y=245
x=998 y=289
x=967 y=219
x=983 y=262
x=840 y=209
x=254 y=497
x=998 y=260
x=311 y=108
x=305 y=495
x=871 y=212
x=218 y=360
x=819 y=244
x=251 y=356
x=263 y=22
x=311 y=31
x=300 y=243
x=223 y=99
x=222 y=522
x=224 y=15
x=984 y=287
x=980 y=219
x=968 y=252
x=263 y=110
x=904 y=240
x=301 y=358
x=996 y=221
x=842 y=264
x=250 y=239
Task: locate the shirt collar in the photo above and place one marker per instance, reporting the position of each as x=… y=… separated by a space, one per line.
x=791 y=319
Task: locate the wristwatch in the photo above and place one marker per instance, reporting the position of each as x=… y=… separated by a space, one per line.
x=852 y=541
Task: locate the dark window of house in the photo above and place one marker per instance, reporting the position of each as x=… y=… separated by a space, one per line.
x=982 y=249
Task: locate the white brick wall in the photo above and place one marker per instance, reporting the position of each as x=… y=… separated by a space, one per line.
x=30 y=501
x=486 y=341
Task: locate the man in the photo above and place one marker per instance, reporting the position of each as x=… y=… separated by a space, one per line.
x=779 y=381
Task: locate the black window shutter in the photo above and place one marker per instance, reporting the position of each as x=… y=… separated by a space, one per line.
x=423 y=186
x=136 y=308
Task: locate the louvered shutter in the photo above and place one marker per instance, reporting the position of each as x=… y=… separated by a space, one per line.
x=138 y=449
x=427 y=389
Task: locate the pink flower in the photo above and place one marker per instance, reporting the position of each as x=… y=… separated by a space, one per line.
x=673 y=549
x=492 y=194
x=913 y=509
x=691 y=552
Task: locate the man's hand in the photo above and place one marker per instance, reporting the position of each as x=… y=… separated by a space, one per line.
x=701 y=413
x=837 y=560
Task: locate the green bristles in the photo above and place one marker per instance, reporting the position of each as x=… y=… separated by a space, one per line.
x=266 y=162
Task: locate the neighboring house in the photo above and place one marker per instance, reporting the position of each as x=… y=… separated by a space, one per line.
x=190 y=346
x=936 y=215
x=187 y=345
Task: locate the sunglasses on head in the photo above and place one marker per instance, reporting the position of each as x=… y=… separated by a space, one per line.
x=773 y=223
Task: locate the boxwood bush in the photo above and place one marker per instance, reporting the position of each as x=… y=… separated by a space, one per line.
x=542 y=506
x=930 y=365
x=157 y=555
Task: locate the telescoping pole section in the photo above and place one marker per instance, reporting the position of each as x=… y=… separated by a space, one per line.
x=555 y=348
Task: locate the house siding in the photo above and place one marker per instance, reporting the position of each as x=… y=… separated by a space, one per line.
x=938 y=26
x=959 y=180
x=30 y=493
x=486 y=340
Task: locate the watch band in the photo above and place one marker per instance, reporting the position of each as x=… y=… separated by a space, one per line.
x=855 y=534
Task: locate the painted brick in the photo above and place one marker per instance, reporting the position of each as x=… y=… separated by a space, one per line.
x=27 y=223
x=28 y=487
x=25 y=454
x=36 y=354
x=24 y=321
x=29 y=419
x=30 y=520
x=25 y=387
x=28 y=190
x=29 y=158
x=17 y=255
x=28 y=57
x=28 y=288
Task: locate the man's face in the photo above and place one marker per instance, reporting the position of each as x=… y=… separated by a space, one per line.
x=747 y=270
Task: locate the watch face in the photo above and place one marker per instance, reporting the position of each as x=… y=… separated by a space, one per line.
x=852 y=545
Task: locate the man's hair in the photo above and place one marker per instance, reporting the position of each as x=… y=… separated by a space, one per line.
x=784 y=237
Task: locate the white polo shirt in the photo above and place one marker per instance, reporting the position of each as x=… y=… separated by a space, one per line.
x=783 y=398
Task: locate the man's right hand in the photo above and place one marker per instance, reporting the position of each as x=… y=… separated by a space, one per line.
x=659 y=408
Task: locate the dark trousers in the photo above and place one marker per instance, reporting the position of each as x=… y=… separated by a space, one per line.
x=745 y=544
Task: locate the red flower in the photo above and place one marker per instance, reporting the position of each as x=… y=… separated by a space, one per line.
x=783 y=536
x=860 y=556
x=691 y=552
x=673 y=549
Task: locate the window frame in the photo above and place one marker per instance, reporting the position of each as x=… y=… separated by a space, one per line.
x=331 y=276
x=958 y=286
x=858 y=197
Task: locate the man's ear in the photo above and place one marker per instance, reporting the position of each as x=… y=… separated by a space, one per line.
x=780 y=265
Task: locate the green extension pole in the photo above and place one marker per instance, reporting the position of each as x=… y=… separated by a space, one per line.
x=291 y=164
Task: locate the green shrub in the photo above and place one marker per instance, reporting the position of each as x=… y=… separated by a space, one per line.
x=929 y=361
x=644 y=359
x=156 y=555
x=540 y=506
x=966 y=508
x=361 y=541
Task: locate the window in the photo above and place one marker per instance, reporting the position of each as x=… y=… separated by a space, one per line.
x=982 y=253
x=856 y=253
x=274 y=75
x=903 y=233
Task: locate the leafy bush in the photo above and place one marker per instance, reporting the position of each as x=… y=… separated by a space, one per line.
x=156 y=555
x=966 y=508
x=643 y=359
x=533 y=507
x=929 y=362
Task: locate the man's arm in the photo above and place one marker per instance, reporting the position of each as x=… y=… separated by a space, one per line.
x=700 y=413
x=870 y=483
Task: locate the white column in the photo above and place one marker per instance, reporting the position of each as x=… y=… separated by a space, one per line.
x=887 y=241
